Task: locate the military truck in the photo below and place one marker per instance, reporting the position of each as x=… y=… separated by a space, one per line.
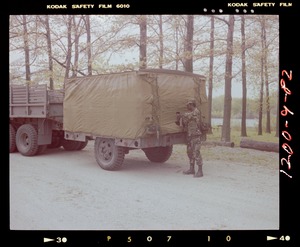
x=36 y=120
x=119 y=111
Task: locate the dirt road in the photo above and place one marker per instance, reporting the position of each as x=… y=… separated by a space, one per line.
x=62 y=190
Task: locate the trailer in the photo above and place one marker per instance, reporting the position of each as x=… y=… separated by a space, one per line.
x=36 y=120
x=131 y=110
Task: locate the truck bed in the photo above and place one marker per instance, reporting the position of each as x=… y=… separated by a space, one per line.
x=35 y=102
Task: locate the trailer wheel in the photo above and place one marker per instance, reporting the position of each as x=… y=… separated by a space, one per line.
x=26 y=140
x=70 y=145
x=158 y=154
x=12 y=139
x=108 y=155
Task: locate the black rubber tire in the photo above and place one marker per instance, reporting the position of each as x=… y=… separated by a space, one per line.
x=70 y=145
x=41 y=149
x=56 y=142
x=158 y=154
x=12 y=139
x=82 y=145
x=108 y=156
x=27 y=140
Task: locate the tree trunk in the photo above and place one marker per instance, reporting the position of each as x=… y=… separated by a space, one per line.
x=188 y=45
x=211 y=66
x=88 y=44
x=261 y=94
x=244 y=80
x=261 y=99
x=277 y=118
x=69 y=49
x=263 y=146
x=49 y=51
x=218 y=143
x=161 y=43
x=265 y=54
x=177 y=46
x=226 y=128
x=143 y=41
x=76 y=46
x=26 y=50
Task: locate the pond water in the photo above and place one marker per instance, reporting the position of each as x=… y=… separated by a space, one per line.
x=235 y=122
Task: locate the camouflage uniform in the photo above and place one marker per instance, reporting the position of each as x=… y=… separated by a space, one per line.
x=191 y=122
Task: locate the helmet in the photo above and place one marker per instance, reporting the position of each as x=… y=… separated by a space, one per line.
x=191 y=101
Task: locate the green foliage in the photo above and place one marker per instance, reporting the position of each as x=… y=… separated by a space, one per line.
x=236 y=107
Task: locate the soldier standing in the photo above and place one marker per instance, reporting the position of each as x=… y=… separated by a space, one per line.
x=191 y=121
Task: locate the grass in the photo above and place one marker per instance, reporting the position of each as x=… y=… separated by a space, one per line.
x=228 y=155
x=236 y=136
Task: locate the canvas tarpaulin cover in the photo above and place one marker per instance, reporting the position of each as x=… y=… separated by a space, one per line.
x=120 y=105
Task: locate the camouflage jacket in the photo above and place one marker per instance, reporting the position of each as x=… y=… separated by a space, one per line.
x=191 y=123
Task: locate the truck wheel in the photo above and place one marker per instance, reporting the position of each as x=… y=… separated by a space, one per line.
x=158 y=154
x=12 y=139
x=70 y=145
x=82 y=145
x=26 y=140
x=108 y=155
x=41 y=149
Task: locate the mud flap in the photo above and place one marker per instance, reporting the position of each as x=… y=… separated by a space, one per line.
x=44 y=131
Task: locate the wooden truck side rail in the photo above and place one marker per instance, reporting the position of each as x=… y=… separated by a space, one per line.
x=28 y=101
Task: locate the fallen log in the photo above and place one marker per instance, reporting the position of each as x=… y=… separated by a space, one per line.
x=218 y=143
x=258 y=145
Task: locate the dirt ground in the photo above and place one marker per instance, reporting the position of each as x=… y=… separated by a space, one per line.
x=62 y=190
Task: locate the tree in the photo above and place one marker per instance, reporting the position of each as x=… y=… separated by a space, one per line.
x=277 y=117
x=69 y=46
x=228 y=77
x=262 y=66
x=161 y=43
x=75 y=27
x=188 y=45
x=143 y=41
x=88 y=44
x=265 y=64
x=176 y=38
x=49 y=49
x=26 y=50
x=211 y=65
x=244 y=79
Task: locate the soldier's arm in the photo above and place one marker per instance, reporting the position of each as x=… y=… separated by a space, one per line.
x=185 y=117
x=197 y=116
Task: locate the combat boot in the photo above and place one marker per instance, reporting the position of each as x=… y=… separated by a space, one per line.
x=190 y=171
x=199 y=172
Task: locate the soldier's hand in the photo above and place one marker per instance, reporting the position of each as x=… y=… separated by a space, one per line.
x=178 y=116
x=179 y=120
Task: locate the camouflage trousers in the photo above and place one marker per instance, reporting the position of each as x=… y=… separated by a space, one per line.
x=193 y=150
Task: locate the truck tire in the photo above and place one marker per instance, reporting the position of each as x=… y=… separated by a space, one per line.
x=70 y=145
x=41 y=149
x=56 y=142
x=82 y=145
x=12 y=139
x=108 y=155
x=158 y=154
x=27 y=140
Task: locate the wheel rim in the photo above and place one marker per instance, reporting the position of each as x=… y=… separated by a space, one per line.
x=25 y=140
x=106 y=149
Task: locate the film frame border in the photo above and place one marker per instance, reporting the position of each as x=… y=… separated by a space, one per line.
x=289 y=72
